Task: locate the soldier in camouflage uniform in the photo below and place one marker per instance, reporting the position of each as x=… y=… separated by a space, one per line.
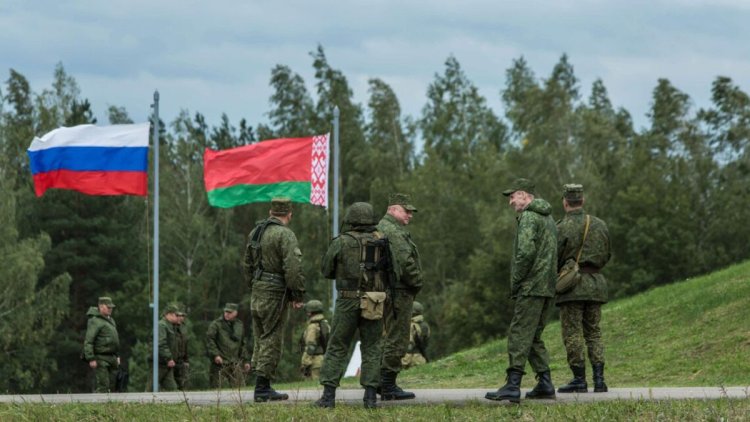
x=225 y=345
x=182 y=364
x=314 y=340
x=102 y=344
x=419 y=335
x=581 y=306
x=273 y=266
x=168 y=326
x=533 y=273
x=408 y=271
x=354 y=261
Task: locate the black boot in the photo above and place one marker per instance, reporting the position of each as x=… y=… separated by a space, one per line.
x=599 y=385
x=328 y=399
x=578 y=383
x=388 y=388
x=264 y=392
x=511 y=390
x=544 y=388
x=371 y=398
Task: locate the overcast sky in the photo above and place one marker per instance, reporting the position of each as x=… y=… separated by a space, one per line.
x=216 y=56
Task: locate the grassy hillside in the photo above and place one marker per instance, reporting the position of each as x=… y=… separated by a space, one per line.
x=690 y=333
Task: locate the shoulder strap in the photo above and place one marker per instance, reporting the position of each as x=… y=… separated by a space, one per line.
x=585 y=233
x=256 y=238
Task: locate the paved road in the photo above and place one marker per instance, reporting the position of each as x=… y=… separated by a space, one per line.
x=455 y=396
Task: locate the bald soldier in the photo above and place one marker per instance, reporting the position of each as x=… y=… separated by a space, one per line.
x=273 y=267
x=581 y=305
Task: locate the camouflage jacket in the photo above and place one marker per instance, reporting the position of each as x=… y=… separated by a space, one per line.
x=343 y=258
x=533 y=266
x=181 y=332
x=167 y=341
x=312 y=341
x=280 y=255
x=595 y=255
x=227 y=339
x=101 y=336
x=407 y=267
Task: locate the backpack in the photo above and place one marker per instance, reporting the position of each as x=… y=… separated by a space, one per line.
x=374 y=260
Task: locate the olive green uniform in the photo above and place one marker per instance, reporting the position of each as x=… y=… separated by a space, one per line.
x=580 y=307
x=182 y=361
x=532 y=286
x=418 y=337
x=102 y=344
x=167 y=352
x=275 y=274
x=409 y=282
x=226 y=339
x=313 y=345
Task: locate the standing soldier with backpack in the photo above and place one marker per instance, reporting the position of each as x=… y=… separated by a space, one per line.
x=314 y=340
x=358 y=260
x=416 y=353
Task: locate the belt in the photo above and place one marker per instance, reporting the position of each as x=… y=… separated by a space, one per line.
x=588 y=269
x=271 y=277
x=349 y=294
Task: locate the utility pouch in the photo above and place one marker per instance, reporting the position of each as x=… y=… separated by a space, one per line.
x=568 y=277
x=372 y=305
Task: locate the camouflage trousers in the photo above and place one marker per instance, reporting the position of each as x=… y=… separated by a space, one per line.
x=525 y=343
x=347 y=320
x=268 y=312
x=580 y=329
x=105 y=375
x=310 y=366
x=411 y=360
x=397 y=329
x=228 y=375
x=166 y=379
x=182 y=375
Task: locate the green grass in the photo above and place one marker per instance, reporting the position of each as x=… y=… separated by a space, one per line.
x=674 y=410
x=690 y=333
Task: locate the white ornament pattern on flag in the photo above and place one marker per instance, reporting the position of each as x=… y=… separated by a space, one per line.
x=319 y=171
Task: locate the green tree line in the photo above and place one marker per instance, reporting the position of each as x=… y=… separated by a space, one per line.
x=673 y=194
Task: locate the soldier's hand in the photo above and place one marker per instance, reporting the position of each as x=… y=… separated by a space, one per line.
x=247 y=367
x=170 y=364
x=118 y=361
x=92 y=364
x=218 y=360
x=298 y=305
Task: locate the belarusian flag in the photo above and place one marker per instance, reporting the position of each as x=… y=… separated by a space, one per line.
x=293 y=167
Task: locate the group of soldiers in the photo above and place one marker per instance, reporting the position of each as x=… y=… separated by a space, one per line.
x=378 y=274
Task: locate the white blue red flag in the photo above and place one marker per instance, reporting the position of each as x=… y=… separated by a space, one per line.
x=95 y=160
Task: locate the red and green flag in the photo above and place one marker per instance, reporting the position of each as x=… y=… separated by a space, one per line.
x=293 y=167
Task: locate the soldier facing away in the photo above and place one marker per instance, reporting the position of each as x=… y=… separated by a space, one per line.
x=408 y=283
x=581 y=306
x=273 y=265
x=533 y=272
x=314 y=340
x=102 y=345
x=419 y=335
x=358 y=261
x=225 y=345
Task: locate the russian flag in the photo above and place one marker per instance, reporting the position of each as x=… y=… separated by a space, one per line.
x=95 y=160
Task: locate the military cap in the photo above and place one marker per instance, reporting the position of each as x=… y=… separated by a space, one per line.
x=171 y=308
x=181 y=311
x=401 y=199
x=525 y=185
x=105 y=300
x=281 y=206
x=573 y=192
x=417 y=308
x=231 y=307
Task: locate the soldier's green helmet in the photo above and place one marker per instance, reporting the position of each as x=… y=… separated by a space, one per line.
x=360 y=214
x=417 y=308
x=314 y=306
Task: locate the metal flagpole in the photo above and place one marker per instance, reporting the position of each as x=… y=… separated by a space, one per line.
x=335 y=189
x=155 y=304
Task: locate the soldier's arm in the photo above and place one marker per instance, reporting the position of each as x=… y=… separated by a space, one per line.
x=311 y=338
x=525 y=248
x=407 y=258
x=211 y=347
x=164 y=353
x=247 y=262
x=328 y=263
x=295 y=280
x=92 y=330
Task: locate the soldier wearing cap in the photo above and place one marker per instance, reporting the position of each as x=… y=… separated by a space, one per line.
x=580 y=307
x=408 y=283
x=314 y=340
x=168 y=326
x=273 y=267
x=225 y=345
x=182 y=360
x=533 y=273
x=102 y=345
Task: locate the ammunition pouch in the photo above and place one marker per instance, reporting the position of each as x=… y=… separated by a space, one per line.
x=372 y=305
x=568 y=277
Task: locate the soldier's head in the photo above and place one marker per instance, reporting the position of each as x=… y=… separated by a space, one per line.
x=281 y=208
x=230 y=311
x=360 y=214
x=572 y=196
x=401 y=208
x=106 y=306
x=416 y=309
x=170 y=313
x=520 y=194
x=313 y=307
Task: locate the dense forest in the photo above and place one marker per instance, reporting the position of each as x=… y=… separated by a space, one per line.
x=674 y=194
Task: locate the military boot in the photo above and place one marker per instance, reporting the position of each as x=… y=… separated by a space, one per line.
x=328 y=399
x=264 y=392
x=599 y=385
x=544 y=388
x=370 y=399
x=578 y=383
x=388 y=388
x=511 y=391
